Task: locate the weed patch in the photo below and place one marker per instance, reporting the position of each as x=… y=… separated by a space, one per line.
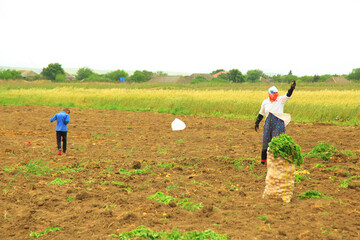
x=146 y=233
x=313 y=194
x=323 y=150
x=345 y=183
x=183 y=203
x=58 y=181
x=40 y=234
x=135 y=171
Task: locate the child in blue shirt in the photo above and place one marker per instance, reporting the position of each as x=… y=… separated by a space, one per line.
x=62 y=119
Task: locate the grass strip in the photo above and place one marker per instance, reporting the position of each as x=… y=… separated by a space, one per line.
x=146 y=233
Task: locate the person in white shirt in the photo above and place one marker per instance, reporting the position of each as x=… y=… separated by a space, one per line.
x=276 y=119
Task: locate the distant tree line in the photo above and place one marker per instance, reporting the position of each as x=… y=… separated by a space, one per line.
x=10 y=74
x=55 y=72
x=235 y=75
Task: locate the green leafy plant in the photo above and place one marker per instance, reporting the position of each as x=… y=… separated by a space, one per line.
x=318 y=165
x=58 y=181
x=165 y=150
x=183 y=203
x=8 y=169
x=172 y=187
x=166 y=165
x=345 y=183
x=299 y=177
x=69 y=199
x=135 y=171
x=285 y=147
x=40 y=234
x=241 y=163
x=117 y=183
x=161 y=197
x=262 y=217
x=201 y=183
x=313 y=194
x=189 y=206
x=323 y=150
x=69 y=169
x=36 y=166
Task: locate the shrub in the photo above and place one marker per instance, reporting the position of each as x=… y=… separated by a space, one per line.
x=355 y=74
x=84 y=73
x=199 y=79
x=116 y=75
x=60 y=78
x=254 y=75
x=138 y=76
x=10 y=74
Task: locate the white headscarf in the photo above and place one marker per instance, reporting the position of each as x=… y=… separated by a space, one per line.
x=272 y=89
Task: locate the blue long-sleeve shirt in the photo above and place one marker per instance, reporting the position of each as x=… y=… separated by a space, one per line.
x=62 y=119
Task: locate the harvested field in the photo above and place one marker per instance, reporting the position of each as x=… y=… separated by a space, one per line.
x=116 y=160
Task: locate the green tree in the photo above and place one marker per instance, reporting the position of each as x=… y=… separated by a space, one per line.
x=84 y=73
x=60 y=78
x=289 y=78
x=254 y=75
x=138 y=76
x=354 y=75
x=52 y=70
x=116 y=75
x=224 y=76
x=306 y=78
x=10 y=74
x=95 y=78
x=148 y=75
x=277 y=78
x=236 y=76
x=316 y=78
x=324 y=77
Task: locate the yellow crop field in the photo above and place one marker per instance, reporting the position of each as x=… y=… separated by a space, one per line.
x=336 y=106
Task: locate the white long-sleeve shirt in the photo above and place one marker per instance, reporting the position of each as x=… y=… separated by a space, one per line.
x=276 y=108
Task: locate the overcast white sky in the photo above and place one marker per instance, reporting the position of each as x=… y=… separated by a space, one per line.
x=191 y=36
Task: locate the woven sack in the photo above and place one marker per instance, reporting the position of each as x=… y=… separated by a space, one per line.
x=280 y=178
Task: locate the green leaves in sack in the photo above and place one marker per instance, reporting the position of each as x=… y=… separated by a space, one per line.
x=285 y=147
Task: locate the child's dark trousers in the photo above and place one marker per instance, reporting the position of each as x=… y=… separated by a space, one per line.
x=63 y=135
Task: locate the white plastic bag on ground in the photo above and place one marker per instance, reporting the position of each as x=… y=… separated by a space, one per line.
x=177 y=125
x=280 y=178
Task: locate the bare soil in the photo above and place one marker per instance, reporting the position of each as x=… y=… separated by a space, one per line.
x=196 y=163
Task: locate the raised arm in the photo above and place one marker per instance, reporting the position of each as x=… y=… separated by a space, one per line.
x=292 y=87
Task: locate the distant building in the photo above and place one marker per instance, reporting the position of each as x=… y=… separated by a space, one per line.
x=266 y=80
x=341 y=79
x=166 y=79
x=218 y=73
x=27 y=73
x=69 y=77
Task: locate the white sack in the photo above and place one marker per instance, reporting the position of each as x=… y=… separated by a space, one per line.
x=177 y=125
